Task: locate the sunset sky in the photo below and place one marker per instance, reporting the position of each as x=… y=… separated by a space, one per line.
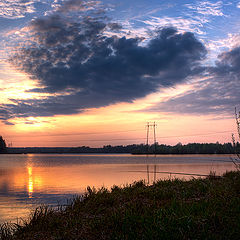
x=93 y=73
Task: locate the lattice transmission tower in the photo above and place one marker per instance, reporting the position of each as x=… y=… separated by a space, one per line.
x=153 y=127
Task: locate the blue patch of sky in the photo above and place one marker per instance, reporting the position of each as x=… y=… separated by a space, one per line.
x=206 y=27
x=137 y=10
x=8 y=24
x=142 y=10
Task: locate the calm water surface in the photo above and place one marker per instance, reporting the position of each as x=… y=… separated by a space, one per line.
x=28 y=180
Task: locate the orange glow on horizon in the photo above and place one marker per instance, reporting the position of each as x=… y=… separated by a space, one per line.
x=93 y=127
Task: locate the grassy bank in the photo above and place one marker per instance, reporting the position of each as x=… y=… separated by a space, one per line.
x=173 y=209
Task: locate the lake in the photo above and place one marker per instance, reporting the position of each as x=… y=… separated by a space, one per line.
x=29 y=180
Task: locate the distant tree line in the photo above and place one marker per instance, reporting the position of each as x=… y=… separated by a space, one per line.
x=191 y=148
x=3 y=147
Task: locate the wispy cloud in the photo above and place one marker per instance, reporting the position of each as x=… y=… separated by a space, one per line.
x=214 y=96
x=230 y=42
x=77 y=5
x=13 y=9
x=182 y=24
x=217 y=46
x=207 y=8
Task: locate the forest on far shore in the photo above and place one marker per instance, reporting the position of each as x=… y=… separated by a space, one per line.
x=190 y=148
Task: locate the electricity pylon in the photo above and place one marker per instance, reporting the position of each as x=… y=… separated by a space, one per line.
x=149 y=126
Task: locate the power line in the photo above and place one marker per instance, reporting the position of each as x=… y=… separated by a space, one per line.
x=125 y=139
x=77 y=134
x=93 y=140
x=177 y=173
x=200 y=134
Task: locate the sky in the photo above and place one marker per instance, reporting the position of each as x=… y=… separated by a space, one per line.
x=93 y=73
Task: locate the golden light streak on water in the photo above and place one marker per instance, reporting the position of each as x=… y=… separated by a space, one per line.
x=30 y=182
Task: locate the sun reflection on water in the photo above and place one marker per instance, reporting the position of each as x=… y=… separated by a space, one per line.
x=34 y=178
x=30 y=182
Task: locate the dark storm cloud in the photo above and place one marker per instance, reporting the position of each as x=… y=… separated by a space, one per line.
x=101 y=69
x=217 y=95
x=228 y=64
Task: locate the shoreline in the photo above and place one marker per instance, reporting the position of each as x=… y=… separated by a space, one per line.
x=120 y=153
x=206 y=208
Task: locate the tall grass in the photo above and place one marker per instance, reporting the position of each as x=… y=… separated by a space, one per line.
x=171 y=209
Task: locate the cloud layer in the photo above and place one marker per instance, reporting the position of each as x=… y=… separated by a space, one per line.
x=207 y=8
x=219 y=94
x=86 y=68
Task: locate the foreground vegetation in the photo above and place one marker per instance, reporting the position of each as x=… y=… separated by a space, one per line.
x=172 y=209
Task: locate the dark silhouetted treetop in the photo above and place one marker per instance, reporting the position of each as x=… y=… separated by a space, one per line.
x=3 y=146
